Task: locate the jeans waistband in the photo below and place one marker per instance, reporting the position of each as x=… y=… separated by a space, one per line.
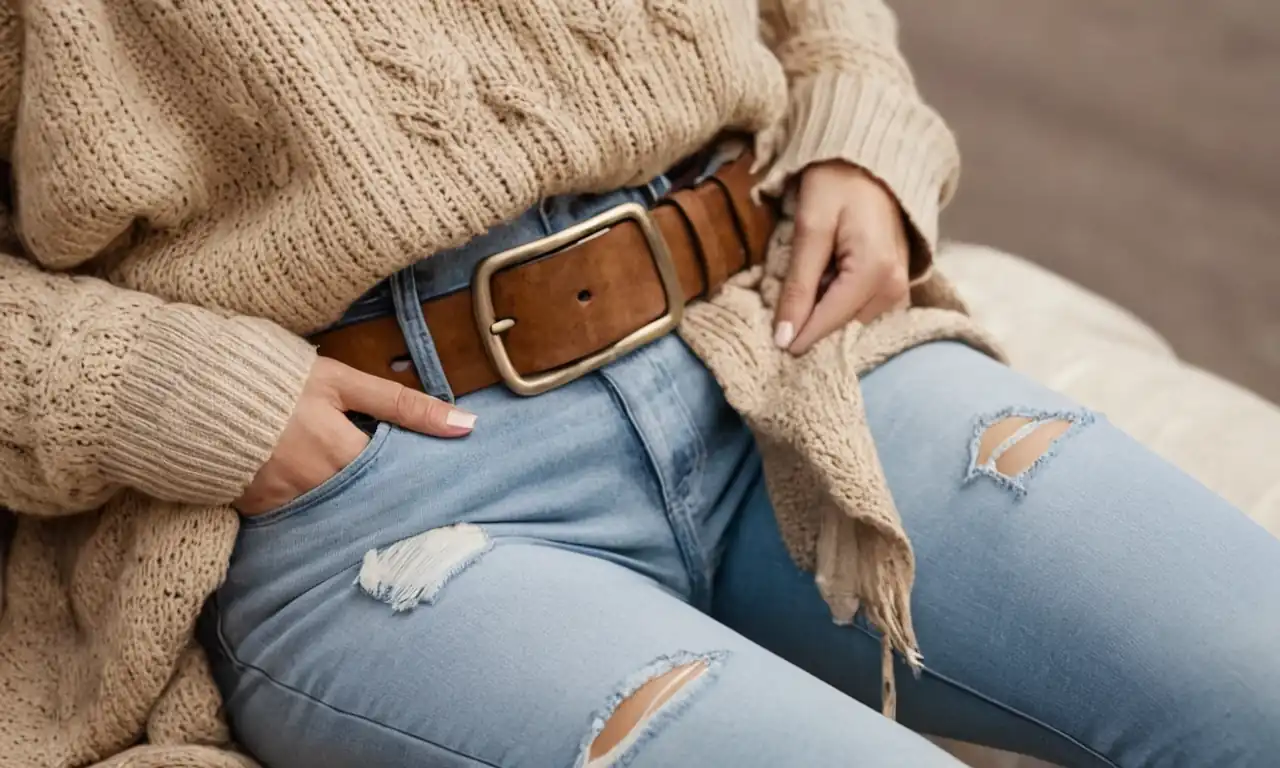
x=403 y=293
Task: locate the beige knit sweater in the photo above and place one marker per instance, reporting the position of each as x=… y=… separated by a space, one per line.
x=197 y=185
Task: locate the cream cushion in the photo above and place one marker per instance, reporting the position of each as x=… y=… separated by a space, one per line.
x=1098 y=353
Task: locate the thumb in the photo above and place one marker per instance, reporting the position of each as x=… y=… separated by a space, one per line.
x=386 y=400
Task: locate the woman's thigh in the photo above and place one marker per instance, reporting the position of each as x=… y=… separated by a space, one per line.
x=521 y=662
x=507 y=600
x=1101 y=609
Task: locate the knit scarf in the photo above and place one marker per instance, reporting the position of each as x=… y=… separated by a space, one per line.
x=824 y=477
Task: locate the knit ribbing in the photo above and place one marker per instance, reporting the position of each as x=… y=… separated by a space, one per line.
x=201 y=404
x=877 y=125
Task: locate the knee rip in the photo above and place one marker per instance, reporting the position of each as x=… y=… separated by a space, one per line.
x=1011 y=445
x=657 y=693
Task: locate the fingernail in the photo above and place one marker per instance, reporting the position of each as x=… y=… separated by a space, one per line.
x=784 y=335
x=460 y=419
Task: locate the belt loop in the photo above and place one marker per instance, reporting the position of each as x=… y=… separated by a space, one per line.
x=417 y=337
x=656 y=189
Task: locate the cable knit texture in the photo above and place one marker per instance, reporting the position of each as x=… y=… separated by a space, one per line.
x=199 y=184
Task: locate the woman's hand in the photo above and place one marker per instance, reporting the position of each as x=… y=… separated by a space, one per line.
x=849 y=259
x=320 y=440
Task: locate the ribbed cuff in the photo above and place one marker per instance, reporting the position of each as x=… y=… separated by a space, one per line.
x=202 y=402
x=881 y=126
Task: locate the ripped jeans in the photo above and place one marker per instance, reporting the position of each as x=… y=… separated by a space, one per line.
x=595 y=578
x=490 y=601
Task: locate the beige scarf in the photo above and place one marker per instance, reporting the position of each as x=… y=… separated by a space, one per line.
x=832 y=502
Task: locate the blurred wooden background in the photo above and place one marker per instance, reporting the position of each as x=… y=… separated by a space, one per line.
x=1131 y=146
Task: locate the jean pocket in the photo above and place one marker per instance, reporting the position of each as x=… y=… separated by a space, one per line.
x=327 y=490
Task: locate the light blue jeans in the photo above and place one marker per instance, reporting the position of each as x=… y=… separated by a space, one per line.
x=488 y=601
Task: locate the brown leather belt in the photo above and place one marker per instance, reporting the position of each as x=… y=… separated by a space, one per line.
x=547 y=312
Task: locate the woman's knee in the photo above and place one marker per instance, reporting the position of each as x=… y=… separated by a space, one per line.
x=1213 y=701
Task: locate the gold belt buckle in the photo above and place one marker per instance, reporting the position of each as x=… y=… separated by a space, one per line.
x=492 y=327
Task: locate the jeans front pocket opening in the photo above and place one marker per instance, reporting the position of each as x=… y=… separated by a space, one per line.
x=329 y=488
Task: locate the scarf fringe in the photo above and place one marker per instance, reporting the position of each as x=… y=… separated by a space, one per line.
x=888 y=683
x=884 y=584
x=861 y=566
x=886 y=573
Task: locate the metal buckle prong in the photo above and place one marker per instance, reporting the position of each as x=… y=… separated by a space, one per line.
x=492 y=327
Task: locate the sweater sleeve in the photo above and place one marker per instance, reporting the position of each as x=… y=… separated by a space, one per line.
x=853 y=98
x=103 y=388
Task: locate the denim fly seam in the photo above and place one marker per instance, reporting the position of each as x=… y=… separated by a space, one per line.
x=1017 y=483
x=417 y=337
x=689 y=490
x=654 y=406
x=651 y=726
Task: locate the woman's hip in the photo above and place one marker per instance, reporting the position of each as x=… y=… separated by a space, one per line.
x=620 y=464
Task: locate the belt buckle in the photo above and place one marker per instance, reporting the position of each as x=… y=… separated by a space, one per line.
x=491 y=327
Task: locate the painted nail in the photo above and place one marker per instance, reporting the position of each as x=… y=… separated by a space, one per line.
x=460 y=419
x=784 y=335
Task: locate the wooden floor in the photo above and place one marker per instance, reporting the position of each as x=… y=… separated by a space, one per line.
x=1133 y=147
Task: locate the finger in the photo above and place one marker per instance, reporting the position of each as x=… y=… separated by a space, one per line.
x=880 y=304
x=894 y=293
x=883 y=302
x=811 y=250
x=848 y=294
x=386 y=400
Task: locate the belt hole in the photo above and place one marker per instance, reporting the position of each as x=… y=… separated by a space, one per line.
x=584 y=296
x=401 y=364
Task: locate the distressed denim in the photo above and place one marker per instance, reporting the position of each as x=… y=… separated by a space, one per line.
x=488 y=601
